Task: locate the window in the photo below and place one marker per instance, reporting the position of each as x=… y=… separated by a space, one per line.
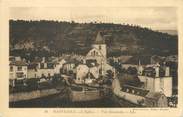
x=153 y=103
x=100 y=47
x=20 y=75
x=42 y=75
x=42 y=65
x=19 y=68
x=96 y=53
x=49 y=75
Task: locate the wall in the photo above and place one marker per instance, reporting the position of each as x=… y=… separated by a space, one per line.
x=59 y=66
x=102 y=50
x=31 y=95
x=45 y=72
x=127 y=96
x=81 y=72
x=85 y=96
x=150 y=84
x=31 y=73
x=157 y=85
x=142 y=78
x=13 y=74
x=95 y=71
x=167 y=86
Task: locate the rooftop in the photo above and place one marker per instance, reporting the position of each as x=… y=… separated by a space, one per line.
x=99 y=39
x=19 y=63
x=135 y=90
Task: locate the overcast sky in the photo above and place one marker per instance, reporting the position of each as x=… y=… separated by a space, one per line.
x=157 y=18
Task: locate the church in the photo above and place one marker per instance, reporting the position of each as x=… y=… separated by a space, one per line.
x=98 y=53
x=95 y=61
x=98 y=50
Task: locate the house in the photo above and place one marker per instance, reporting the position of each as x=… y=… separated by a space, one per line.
x=81 y=72
x=70 y=66
x=94 y=70
x=149 y=99
x=139 y=96
x=46 y=68
x=157 y=79
x=59 y=65
x=32 y=70
x=89 y=78
x=157 y=59
x=172 y=58
x=17 y=71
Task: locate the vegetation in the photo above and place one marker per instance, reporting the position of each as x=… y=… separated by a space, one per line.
x=68 y=37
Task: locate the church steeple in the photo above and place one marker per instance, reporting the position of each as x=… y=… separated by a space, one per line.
x=100 y=44
x=99 y=39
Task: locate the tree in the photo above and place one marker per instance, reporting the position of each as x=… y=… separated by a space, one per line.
x=132 y=70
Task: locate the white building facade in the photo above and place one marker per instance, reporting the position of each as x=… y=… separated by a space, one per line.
x=158 y=83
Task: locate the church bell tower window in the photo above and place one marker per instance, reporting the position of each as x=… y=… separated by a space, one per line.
x=100 y=47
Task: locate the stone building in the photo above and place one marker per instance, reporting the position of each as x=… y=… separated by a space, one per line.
x=157 y=79
x=99 y=53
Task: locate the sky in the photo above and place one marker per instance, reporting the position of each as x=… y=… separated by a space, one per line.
x=157 y=18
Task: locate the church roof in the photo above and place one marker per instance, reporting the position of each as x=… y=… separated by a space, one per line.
x=99 y=39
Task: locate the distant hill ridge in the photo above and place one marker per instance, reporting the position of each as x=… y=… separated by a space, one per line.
x=121 y=39
x=170 y=32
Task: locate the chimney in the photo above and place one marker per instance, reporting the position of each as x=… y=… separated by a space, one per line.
x=167 y=71
x=157 y=71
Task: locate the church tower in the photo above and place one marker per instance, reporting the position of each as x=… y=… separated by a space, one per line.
x=100 y=45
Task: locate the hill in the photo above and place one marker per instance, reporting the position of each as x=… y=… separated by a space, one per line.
x=67 y=37
x=170 y=32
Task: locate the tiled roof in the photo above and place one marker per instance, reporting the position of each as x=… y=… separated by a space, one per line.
x=135 y=90
x=19 y=63
x=32 y=66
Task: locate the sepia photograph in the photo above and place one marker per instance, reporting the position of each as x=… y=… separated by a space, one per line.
x=93 y=57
